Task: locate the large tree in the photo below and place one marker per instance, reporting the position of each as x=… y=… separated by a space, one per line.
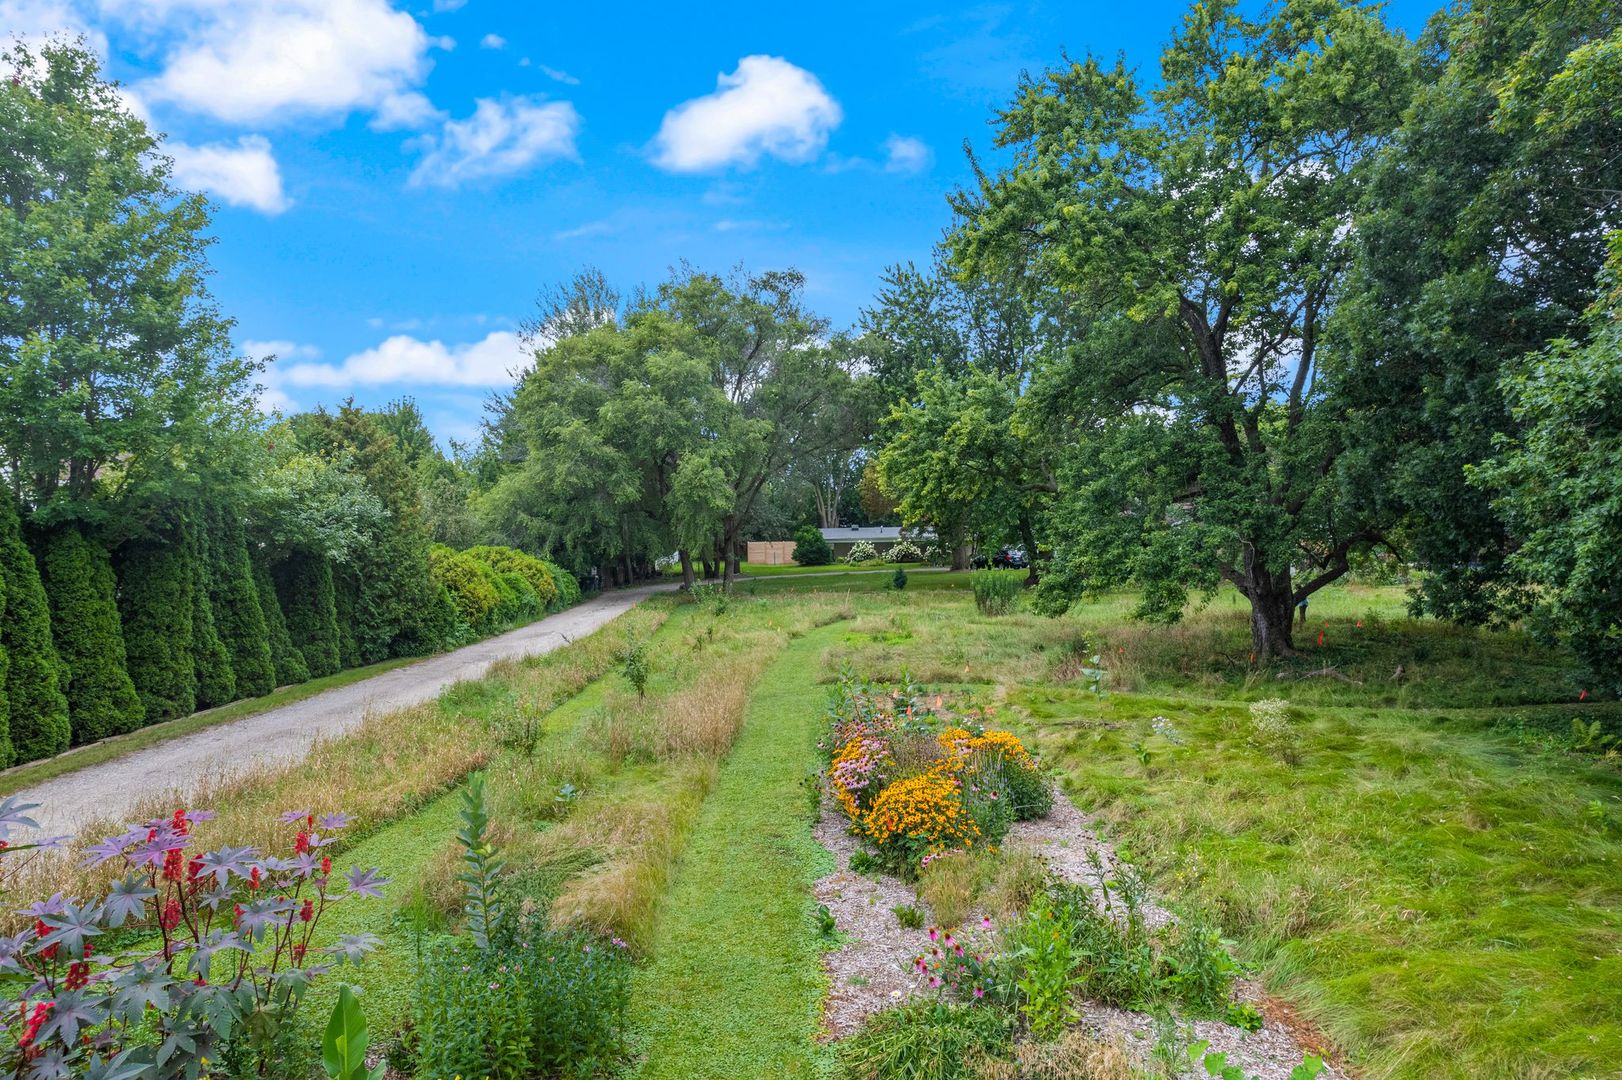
x=955 y=355
x=1197 y=240
x=1478 y=239
x=116 y=363
x=1558 y=484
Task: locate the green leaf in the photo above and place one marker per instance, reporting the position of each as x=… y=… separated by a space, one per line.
x=343 y=1048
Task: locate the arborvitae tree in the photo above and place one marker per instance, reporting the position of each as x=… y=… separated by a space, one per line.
x=285 y=657
x=216 y=682
x=7 y=755
x=397 y=610
x=345 y=595
x=39 y=711
x=84 y=620
x=237 y=614
x=304 y=586
x=155 y=607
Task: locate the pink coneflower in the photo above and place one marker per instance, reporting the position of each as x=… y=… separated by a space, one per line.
x=979 y=992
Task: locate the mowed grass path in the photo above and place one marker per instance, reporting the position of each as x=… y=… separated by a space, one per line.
x=735 y=986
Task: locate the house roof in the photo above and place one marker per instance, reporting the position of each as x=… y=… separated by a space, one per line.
x=873 y=534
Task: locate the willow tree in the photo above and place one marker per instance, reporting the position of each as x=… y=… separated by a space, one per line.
x=1196 y=237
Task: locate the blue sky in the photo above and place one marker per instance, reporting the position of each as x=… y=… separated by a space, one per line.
x=395 y=182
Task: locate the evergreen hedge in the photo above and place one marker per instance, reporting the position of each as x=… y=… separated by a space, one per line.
x=39 y=725
x=346 y=594
x=512 y=561
x=238 y=616
x=7 y=754
x=304 y=587
x=155 y=582
x=568 y=586
x=78 y=578
x=285 y=658
x=472 y=592
x=216 y=682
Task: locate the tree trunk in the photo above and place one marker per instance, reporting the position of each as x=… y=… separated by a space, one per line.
x=1027 y=535
x=1272 y=610
x=686 y=569
x=960 y=555
x=727 y=564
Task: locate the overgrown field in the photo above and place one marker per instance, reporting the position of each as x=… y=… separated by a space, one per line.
x=1399 y=832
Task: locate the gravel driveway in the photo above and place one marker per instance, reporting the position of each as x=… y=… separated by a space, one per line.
x=112 y=788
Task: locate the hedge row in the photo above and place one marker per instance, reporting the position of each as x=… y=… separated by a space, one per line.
x=492 y=588
x=96 y=643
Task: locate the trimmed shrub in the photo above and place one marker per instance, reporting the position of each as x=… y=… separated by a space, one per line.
x=860 y=552
x=811 y=548
x=469 y=584
x=510 y=560
x=304 y=588
x=568 y=586
x=285 y=659
x=78 y=577
x=33 y=678
x=216 y=682
x=238 y=616
x=155 y=583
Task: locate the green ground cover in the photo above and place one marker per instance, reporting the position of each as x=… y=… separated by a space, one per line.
x=734 y=987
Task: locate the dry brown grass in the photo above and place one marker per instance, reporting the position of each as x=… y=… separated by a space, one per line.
x=997 y=882
x=640 y=840
x=394 y=763
x=1073 y=1056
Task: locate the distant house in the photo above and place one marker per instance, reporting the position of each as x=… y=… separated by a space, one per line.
x=841 y=539
x=844 y=537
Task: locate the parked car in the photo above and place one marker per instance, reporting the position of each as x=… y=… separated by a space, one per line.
x=1008 y=558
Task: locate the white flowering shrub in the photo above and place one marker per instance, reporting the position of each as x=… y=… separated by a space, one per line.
x=860 y=552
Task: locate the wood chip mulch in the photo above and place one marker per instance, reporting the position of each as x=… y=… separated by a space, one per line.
x=871 y=969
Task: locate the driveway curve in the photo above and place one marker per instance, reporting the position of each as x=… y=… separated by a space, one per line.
x=111 y=789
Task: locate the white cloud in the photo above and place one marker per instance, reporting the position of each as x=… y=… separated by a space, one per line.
x=271 y=394
x=492 y=41
x=448 y=5
x=555 y=74
x=405 y=359
x=245 y=174
x=603 y=227
x=905 y=154
x=767 y=106
x=37 y=21
x=256 y=60
x=500 y=138
x=408 y=110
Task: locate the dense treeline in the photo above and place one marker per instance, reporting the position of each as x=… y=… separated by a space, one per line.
x=680 y=422
x=164 y=547
x=1318 y=292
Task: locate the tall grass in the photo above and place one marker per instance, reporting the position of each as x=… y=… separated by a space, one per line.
x=393 y=764
x=996 y=592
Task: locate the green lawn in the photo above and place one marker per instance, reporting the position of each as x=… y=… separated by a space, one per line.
x=734 y=987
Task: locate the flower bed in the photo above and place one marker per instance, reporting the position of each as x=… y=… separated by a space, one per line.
x=915 y=782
